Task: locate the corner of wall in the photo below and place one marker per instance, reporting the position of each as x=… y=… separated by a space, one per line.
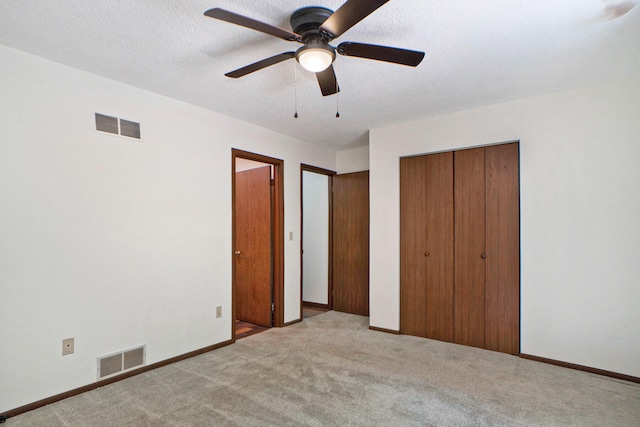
x=352 y=160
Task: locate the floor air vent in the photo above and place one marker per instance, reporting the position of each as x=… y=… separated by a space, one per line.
x=121 y=361
x=117 y=126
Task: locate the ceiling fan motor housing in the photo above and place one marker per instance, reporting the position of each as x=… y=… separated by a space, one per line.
x=307 y=20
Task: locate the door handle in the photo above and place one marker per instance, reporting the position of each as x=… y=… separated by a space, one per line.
x=427 y=254
x=483 y=256
x=237 y=253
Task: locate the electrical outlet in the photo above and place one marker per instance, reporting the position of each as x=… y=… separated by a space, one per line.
x=67 y=346
x=219 y=311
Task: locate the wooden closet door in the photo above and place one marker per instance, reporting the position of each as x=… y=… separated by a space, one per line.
x=469 y=317
x=426 y=241
x=502 y=293
x=413 y=241
x=438 y=252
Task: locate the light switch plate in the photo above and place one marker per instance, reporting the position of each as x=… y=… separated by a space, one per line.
x=219 y=311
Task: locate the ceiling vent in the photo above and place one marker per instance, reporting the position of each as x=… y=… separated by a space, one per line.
x=121 y=361
x=116 y=126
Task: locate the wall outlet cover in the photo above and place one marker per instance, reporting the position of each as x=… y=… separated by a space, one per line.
x=219 y=311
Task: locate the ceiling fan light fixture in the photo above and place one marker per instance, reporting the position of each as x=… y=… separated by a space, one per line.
x=315 y=57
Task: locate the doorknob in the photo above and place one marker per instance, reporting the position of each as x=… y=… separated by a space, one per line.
x=427 y=254
x=483 y=256
x=237 y=253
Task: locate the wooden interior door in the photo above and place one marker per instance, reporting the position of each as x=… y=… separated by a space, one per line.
x=470 y=255
x=502 y=294
x=253 y=246
x=351 y=243
x=439 y=249
x=413 y=241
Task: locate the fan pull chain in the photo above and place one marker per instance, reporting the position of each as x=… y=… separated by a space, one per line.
x=295 y=84
x=338 y=104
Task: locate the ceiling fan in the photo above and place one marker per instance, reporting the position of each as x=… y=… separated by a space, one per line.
x=315 y=27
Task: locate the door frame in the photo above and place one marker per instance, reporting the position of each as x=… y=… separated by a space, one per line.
x=277 y=236
x=330 y=174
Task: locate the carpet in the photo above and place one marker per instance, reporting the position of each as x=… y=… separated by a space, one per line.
x=331 y=370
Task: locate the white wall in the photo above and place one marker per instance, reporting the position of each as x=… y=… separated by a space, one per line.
x=352 y=160
x=113 y=241
x=315 y=235
x=580 y=216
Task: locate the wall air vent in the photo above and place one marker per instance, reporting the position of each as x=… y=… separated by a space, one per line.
x=130 y=129
x=117 y=126
x=121 y=361
x=107 y=124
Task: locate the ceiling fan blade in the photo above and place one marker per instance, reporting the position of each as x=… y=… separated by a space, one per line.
x=381 y=53
x=328 y=81
x=240 y=72
x=234 y=18
x=348 y=15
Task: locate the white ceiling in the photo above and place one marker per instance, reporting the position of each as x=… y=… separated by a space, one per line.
x=477 y=53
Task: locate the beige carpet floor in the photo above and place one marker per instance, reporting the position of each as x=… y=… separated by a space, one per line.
x=331 y=370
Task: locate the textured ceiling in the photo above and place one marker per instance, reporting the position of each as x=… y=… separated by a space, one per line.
x=477 y=53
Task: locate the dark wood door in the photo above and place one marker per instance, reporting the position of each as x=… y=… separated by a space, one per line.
x=502 y=294
x=469 y=247
x=413 y=241
x=439 y=250
x=351 y=243
x=252 y=246
x=426 y=246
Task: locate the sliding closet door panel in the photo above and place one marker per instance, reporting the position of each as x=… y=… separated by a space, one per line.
x=469 y=247
x=413 y=241
x=438 y=252
x=502 y=303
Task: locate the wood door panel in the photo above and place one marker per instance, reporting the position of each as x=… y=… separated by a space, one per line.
x=253 y=275
x=469 y=247
x=459 y=247
x=502 y=294
x=413 y=241
x=351 y=243
x=439 y=249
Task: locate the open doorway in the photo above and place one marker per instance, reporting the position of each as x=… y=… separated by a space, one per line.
x=258 y=243
x=316 y=287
